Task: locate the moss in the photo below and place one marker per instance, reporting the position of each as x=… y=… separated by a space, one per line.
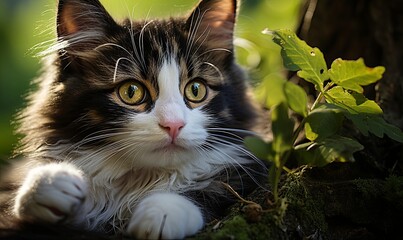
x=238 y=228
x=369 y=188
x=394 y=190
x=304 y=205
x=329 y=209
x=301 y=211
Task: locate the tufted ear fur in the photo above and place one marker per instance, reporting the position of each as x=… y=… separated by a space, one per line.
x=83 y=23
x=213 y=22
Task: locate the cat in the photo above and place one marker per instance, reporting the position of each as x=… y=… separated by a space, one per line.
x=135 y=124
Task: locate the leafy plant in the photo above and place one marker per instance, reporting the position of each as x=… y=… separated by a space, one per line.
x=340 y=97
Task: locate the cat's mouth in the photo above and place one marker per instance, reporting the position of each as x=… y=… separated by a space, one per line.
x=171 y=147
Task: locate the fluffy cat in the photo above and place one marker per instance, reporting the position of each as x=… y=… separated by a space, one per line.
x=135 y=124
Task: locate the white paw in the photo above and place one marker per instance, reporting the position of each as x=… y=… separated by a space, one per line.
x=51 y=193
x=166 y=216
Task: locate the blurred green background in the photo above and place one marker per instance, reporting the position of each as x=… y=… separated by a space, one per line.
x=27 y=27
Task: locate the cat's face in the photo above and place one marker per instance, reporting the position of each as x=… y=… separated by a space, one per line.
x=160 y=91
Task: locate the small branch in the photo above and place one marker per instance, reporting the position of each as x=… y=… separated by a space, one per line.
x=306 y=25
x=229 y=188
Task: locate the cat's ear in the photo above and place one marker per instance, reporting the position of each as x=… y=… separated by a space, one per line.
x=83 y=21
x=213 y=21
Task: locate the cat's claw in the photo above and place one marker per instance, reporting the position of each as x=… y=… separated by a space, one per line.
x=165 y=216
x=51 y=193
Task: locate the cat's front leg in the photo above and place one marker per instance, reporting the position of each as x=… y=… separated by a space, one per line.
x=165 y=215
x=51 y=193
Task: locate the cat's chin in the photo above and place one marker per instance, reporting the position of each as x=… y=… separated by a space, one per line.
x=168 y=155
x=180 y=145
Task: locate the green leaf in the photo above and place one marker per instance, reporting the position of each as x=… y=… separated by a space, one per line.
x=299 y=56
x=376 y=125
x=339 y=149
x=282 y=127
x=296 y=98
x=354 y=103
x=271 y=90
x=323 y=122
x=365 y=114
x=259 y=147
x=336 y=148
x=354 y=74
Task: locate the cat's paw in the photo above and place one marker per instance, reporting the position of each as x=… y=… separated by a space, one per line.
x=51 y=193
x=166 y=216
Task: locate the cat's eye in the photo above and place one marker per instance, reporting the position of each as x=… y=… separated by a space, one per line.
x=132 y=92
x=196 y=91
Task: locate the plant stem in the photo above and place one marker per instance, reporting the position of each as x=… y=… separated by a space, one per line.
x=321 y=95
x=317 y=100
x=278 y=171
x=298 y=130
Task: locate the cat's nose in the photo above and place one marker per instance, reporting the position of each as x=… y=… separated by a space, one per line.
x=172 y=127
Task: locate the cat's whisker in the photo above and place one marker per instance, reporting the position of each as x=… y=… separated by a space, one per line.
x=203 y=35
x=113 y=45
x=206 y=150
x=237 y=140
x=216 y=69
x=124 y=158
x=130 y=59
x=215 y=50
x=117 y=66
x=234 y=130
x=104 y=147
x=44 y=48
x=224 y=132
x=98 y=136
x=57 y=46
x=225 y=156
x=231 y=134
x=115 y=152
x=141 y=42
x=130 y=13
x=190 y=37
x=116 y=146
x=135 y=49
x=194 y=28
x=237 y=164
x=235 y=146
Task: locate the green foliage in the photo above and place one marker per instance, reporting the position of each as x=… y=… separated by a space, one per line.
x=340 y=97
x=352 y=75
x=322 y=122
x=296 y=98
x=298 y=56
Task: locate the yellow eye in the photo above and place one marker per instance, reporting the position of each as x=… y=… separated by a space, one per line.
x=132 y=93
x=196 y=91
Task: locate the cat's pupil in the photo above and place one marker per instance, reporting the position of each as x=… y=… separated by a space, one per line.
x=195 y=89
x=131 y=91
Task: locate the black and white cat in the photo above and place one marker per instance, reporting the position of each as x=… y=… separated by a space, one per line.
x=135 y=124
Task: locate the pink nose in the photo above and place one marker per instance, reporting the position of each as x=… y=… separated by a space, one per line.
x=172 y=127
